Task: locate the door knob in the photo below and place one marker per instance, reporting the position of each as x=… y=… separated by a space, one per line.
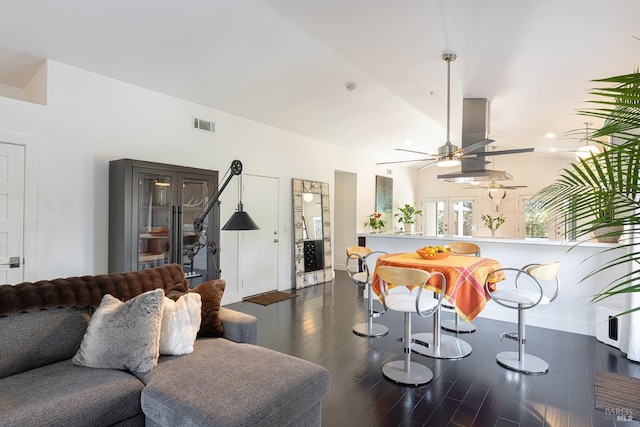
x=14 y=262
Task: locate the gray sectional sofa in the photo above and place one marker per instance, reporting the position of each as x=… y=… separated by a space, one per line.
x=225 y=381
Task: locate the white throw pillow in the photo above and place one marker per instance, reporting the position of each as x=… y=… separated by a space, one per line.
x=180 y=324
x=123 y=335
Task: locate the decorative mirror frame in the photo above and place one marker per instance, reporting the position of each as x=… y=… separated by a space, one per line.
x=304 y=279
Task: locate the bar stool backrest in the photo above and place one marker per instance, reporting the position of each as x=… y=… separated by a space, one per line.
x=464 y=248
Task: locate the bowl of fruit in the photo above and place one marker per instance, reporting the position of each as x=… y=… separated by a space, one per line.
x=434 y=252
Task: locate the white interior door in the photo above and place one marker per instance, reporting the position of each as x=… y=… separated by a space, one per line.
x=11 y=213
x=258 y=249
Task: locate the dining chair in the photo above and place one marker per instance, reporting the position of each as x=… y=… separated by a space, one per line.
x=454 y=325
x=359 y=273
x=413 y=298
x=523 y=289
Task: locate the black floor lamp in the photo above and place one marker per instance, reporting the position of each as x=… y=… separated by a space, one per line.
x=240 y=220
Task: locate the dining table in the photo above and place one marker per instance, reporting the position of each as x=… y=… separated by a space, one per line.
x=465 y=279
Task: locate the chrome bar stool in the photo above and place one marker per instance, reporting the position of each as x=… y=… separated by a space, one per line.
x=358 y=271
x=525 y=292
x=454 y=325
x=410 y=297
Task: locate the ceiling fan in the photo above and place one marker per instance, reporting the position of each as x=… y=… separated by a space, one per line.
x=495 y=186
x=450 y=155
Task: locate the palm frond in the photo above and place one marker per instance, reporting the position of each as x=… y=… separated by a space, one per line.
x=604 y=190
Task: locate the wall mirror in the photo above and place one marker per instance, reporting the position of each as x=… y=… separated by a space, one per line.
x=311 y=233
x=384 y=200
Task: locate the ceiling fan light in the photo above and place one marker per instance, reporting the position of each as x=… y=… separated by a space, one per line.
x=586 y=151
x=448 y=162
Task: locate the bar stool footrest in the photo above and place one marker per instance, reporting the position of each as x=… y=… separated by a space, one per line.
x=375 y=314
x=513 y=336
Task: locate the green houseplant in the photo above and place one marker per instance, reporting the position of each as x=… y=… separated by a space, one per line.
x=601 y=194
x=493 y=222
x=376 y=222
x=407 y=216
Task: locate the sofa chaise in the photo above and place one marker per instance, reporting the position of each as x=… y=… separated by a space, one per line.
x=226 y=381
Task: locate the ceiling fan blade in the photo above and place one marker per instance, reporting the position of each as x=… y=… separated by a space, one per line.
x=427 y=165
x=475 y=146
x=502 y=152
x=513 y=187
x=417 y=152
x=403 y=161
x=475 y=187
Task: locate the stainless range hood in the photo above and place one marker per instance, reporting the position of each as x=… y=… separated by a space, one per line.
x=475 y=126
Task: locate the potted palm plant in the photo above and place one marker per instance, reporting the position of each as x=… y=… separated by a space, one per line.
x=407 y=216
x=600 y=195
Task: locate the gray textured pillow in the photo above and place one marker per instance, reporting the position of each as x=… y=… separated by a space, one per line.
x=123 y=335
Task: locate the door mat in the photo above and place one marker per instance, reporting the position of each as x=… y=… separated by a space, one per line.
x=617 y=394
x=271 y=297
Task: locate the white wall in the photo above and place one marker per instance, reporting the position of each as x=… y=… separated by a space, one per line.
x=91 y=119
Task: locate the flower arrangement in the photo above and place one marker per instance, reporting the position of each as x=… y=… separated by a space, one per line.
x=375 y=222
x=493 y=222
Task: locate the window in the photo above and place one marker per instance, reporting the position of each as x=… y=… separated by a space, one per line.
x=535 y=221
x=449 y=216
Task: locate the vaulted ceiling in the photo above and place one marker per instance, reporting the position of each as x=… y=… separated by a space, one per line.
x=285 y=63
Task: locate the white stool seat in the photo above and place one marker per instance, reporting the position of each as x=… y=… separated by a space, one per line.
x=360 y=278
x=520 y=296
x=406 y=302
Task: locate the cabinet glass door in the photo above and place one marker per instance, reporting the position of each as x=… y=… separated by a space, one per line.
x=154 y=202
x=195 y=193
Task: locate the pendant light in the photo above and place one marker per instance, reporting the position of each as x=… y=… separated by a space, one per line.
x=587 y=150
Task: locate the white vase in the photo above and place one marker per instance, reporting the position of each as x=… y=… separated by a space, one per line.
x=409 y=228
x=493 y=233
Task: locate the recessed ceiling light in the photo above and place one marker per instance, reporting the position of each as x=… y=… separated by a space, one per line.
x=550 y=135
x=553 y=149
x=408 y=142
x=351 y=86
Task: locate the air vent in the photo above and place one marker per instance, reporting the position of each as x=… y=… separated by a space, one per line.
x=204 y=125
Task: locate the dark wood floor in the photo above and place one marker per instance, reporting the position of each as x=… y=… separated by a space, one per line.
x=473 y=391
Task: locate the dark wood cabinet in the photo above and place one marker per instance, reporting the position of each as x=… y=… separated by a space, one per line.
x=152 y=207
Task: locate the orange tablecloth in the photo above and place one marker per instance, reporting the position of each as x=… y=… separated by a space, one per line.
x=465 y=278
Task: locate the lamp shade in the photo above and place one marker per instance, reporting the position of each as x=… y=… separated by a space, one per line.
x=586 y=151
x=448 y=162
x=240 y=220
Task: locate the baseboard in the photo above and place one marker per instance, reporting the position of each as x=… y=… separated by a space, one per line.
x=533 y=319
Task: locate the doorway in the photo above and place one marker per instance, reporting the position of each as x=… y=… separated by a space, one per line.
x=12 y=166
x=344 y=219
x=258 y=249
